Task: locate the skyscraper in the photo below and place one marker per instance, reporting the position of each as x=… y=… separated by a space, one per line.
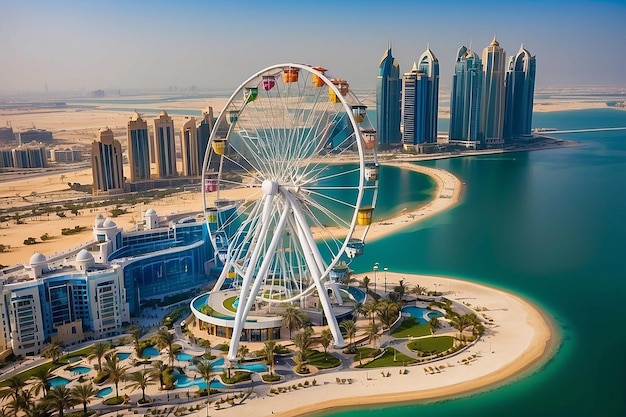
x=465 y=99
x=204 y=132
x=164 y=146
x=138 y=149
x=520 y=90
x=189 y=148
x=429 y=64
x=388 y=100
x=106 y=164
x=492 y=121
x=414 y=104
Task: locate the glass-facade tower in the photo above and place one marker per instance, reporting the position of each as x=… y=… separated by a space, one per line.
x=138 y=149
x=164 y=146
x=465 y=99
x=520 y=90
x=414 y=105
x=106 y=164
x=388 y=100
x=492 y=121
x=429 y=65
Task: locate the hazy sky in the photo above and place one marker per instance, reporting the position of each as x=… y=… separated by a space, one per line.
x=75 y=45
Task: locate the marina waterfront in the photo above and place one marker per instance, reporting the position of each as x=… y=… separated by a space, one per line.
x=548 y=226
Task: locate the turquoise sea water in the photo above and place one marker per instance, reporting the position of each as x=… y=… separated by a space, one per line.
x=548 y=225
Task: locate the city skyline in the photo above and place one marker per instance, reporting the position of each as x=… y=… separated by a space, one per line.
x=61 y=46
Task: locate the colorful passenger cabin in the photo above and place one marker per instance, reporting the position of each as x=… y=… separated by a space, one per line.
x=210 y=185
x=269 y=81
x=211 y=214
x=369 y=138
x=359 y=112
x=339 y=272
x=290 y=75
x=371 y=172
x=250 y=94
x=233 y=116
x=354 y=248
x=219 y=146
x=343 y=87
x=364 y=217
x=317 y=80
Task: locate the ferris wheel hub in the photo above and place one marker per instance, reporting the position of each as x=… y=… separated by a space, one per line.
x=269 y=187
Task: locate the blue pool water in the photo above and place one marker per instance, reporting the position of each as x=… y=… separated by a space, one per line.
x=150 y=352
x=104 y=392
x=422 y=315
x=58 y=380
x=184 y=357
x=123 y=355
x=252 y=367
x=183 y=381
x=80 y=369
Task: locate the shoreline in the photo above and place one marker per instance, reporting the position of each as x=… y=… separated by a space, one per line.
x=419 y=387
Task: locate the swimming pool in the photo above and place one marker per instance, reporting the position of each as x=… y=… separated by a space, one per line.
x=80 y=369
x=184 y=357
x=104 y=392
x=252 y=367
x=422 y=315
x=56 y=381
x=183 y=381
x=150 y=352
x=123 y=355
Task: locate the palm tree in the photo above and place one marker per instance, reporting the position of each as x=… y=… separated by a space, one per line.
x=303 y=341
x=293 y=318
x=40 y=409
x=135 y=333
x=157 y=370
x=242 y=351
x=269 y=348
x=16 y=385
x=366 y=283
x=326 y=338
x=21 y=402
x=59 y=399
x=460 y=323
x=370 y=307
x=387 y=312
x=53 y=351
x=165 y=339
x=116 y=372
x=83 y=394
x=402 y=288
x=349 y=326
x=205 y=368
x=418 y=290
x=99 y=350
x=434 y=325
x=40 y=376
x=372 y=332
x=139 y=379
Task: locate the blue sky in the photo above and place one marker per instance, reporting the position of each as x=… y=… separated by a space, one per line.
x=76 y=45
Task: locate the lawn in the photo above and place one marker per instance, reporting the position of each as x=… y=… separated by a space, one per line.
x=411 y=328
x=433 y=345
x=63 y=360
x=321 y=360
x=387 y=359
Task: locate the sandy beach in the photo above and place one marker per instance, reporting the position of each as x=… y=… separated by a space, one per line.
x=517 y=342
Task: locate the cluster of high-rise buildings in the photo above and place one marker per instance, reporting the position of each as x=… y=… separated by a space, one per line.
x=491 y=101
x=107 y=160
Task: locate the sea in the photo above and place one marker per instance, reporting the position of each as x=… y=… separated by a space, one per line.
x=549 y=225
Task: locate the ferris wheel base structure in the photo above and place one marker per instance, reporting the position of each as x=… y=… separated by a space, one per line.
x=280 y=137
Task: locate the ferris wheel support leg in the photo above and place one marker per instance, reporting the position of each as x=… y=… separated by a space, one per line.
x=240 y=318
x=311 y=253
x=267 y=260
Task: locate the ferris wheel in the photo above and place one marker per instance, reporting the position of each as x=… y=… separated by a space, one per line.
x=290 y=184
